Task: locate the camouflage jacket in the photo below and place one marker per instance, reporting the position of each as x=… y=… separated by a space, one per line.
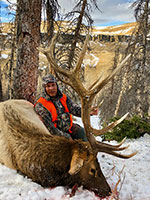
x=63 y=122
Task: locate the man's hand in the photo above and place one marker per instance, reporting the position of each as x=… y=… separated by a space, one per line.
x=94 y=110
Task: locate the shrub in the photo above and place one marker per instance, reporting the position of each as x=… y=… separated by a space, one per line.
x=134 y=127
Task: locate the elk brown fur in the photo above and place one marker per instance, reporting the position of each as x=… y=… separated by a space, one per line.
x=27 y=146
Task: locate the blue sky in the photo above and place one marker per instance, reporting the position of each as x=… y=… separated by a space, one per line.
x=4 y=16
x=113 y=12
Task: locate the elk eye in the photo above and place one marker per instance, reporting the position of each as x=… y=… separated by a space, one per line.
x=93 y=171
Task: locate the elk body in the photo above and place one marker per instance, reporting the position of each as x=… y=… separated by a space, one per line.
x=27 y=146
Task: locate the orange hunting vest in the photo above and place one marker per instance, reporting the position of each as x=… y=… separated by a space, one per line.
x=52 y=109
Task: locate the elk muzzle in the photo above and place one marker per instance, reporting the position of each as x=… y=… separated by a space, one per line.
x=90 y=173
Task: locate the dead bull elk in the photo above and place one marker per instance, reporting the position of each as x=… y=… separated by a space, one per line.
x=27 y=146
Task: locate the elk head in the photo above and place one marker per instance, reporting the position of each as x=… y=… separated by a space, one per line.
x=80 y=164
x=85 y=165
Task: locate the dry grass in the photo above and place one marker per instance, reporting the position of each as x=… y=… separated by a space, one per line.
x=104 y=64
x=6 y=27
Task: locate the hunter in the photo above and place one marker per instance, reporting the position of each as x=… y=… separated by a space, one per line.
x=56 y=109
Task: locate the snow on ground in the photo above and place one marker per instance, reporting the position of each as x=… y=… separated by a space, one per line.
x=4 y=56
x=92 y=61
x=133 y=173
x=113 y=30
x=125 y=32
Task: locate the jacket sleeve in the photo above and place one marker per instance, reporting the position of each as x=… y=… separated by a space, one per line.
x=47 y=120
x=74 y=109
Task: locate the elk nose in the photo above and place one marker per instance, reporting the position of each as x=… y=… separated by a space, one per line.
x=108 y=191
x=103 y=192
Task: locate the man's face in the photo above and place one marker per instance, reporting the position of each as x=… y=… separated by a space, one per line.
x=51 y=89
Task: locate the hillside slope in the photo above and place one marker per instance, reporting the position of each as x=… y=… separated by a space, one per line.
x=124 y=29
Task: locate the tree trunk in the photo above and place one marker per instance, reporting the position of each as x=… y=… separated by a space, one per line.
x=12 y=57
x=122 y=91
x=50 y=22
x=1 y=93
x=75 y=39
x=28 y=40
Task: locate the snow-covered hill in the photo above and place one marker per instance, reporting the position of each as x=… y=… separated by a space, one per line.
x=124 y=29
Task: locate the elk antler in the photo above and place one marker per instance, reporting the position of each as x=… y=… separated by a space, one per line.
x=72 y=78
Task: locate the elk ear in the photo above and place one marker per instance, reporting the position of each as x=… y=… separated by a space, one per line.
x=77 y=162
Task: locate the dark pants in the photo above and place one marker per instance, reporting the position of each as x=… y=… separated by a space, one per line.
x=78 y=132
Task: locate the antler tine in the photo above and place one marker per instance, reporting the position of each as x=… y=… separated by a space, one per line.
x=102 y=146
x=98 y=87
x=95 y=83
x=121 y=155
x=118 y=145
x=110 y=149
x=63 y=80
x=106 y=129
x=82 y=54
x=50 y=57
